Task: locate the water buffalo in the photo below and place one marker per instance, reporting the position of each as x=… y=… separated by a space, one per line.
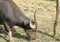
x=11 y=15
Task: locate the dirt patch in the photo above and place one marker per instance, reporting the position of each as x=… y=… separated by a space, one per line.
x=43 y=6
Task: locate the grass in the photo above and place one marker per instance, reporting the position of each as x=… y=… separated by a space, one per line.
x=51 y=0
x=45 y=17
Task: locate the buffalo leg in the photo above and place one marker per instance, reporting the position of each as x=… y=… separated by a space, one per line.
x=9 y=30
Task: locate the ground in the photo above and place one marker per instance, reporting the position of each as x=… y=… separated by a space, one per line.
x=46 y=12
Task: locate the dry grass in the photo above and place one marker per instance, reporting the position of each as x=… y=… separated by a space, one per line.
x=45 y=17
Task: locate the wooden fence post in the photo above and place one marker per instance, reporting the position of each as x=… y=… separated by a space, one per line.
x=57 y=17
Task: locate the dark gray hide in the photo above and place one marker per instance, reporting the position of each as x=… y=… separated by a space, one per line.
x=12 y=15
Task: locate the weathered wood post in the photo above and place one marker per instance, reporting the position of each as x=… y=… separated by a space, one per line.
x=57 y=17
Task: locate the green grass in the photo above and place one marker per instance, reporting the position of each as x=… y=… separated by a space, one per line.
x=45 y=19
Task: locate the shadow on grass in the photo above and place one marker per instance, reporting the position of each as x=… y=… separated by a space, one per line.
x=18 y=35
x=15 y=34
x=48 y=35
x=4 y=38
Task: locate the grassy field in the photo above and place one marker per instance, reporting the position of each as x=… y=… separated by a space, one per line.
x=46 y=13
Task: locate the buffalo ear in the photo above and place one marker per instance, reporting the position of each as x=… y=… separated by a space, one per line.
x=32 y=24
